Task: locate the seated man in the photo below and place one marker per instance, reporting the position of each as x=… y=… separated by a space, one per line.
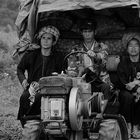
x=38 y=63
x=128 y=73
x=95 y=61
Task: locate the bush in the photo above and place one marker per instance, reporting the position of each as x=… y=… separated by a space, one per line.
x=10 y=91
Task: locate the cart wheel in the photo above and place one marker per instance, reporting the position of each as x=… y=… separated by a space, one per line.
x=110 y=130
x=75 y=118
x=76 y=135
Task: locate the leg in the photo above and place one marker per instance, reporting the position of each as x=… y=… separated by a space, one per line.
x=137 y=113
x=36 y=106
x=135 y=127
x=104 y=88
x=24 y=105
x=31 y=130
x=26 y=109
x=127 y=106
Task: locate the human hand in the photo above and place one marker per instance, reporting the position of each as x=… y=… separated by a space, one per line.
x=130 y=85
x=72 y=73
x=91 y=53
x=136 y=82
x=34 y=87
x=103 y=46
x=25 y=84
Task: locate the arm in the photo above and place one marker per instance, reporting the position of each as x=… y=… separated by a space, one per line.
x=100 y=54
x=22 y=66
x=103 y=51
x=123 y=75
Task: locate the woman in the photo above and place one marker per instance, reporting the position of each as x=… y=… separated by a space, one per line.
x=128 y=70
x=38 y=63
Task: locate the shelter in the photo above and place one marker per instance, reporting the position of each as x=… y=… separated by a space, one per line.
x=113 y=17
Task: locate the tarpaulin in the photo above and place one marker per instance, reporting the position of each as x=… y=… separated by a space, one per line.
x=62 y=5
x=26 y=18
x=29 y=9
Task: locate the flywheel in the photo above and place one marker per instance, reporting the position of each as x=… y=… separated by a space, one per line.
x=75 y=117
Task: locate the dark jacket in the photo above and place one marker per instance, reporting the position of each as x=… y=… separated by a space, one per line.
x=33 y=62
x=127 y=71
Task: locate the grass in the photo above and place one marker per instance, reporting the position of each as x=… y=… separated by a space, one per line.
x=10 y=89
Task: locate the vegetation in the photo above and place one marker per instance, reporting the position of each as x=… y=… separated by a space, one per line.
x=10 y=89
x=8 y=12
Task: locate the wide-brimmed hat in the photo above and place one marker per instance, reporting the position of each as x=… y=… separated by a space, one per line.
x=49 y=29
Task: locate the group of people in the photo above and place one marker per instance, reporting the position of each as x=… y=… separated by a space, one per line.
x=46 y=60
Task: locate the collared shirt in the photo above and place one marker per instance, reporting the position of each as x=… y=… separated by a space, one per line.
x=100 y=49
x=87 y=60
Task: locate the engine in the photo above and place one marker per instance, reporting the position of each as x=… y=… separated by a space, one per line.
x=64 y=103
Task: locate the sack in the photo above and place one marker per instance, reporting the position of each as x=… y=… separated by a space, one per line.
x=55 y=85
x=112 y=62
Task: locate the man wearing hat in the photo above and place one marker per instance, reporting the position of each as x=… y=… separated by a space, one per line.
x=98 y=53
x=38 y=63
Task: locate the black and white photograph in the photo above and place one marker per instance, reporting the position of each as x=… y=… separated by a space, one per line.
x=69 y=69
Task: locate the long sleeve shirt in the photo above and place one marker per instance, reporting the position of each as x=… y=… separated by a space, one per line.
x=38 y=66
x=101 y=51
x=127 y=71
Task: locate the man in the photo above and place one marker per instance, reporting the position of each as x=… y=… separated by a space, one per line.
x=96 y=63
x=38 y=63
x=128 y=73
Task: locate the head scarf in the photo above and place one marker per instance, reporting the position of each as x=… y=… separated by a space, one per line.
x=128 y=37
x=49 y=29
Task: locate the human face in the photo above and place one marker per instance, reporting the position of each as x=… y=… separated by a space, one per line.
x=133 y=48
x=88 y=35
x=47 y=41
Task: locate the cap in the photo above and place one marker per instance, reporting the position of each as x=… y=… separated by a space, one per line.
x=88 y=25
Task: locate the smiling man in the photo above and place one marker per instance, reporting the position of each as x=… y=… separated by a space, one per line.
x=128 y=73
